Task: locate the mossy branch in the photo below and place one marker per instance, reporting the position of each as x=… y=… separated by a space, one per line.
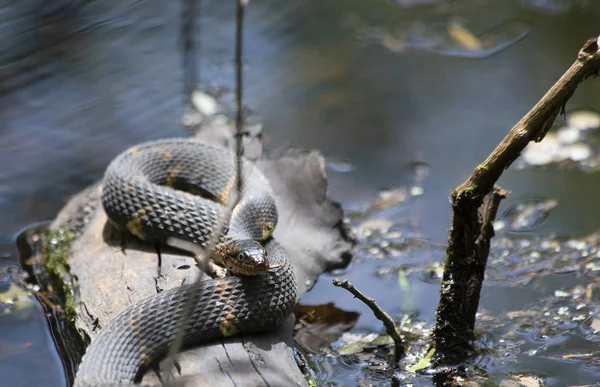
x=535 y=124
x=474 y=205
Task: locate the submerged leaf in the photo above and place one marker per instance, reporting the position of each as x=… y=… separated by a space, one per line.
x=463 y=36
x=320 y=325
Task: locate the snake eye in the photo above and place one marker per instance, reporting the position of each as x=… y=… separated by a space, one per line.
x=241 y=256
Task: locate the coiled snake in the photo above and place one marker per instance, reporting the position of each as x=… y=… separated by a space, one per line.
x=177 y=190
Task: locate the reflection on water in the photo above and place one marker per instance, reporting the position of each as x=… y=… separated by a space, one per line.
x=451 y=37
x=109 y=76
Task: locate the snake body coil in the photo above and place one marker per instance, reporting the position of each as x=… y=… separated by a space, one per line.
x=142 y=193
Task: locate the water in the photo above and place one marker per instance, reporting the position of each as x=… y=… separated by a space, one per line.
x=378 y=87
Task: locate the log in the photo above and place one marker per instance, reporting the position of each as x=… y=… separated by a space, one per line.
x=112 y=270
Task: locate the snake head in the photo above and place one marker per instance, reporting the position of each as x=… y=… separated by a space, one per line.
x=246 y=257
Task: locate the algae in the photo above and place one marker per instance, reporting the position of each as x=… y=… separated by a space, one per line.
x=55 y=248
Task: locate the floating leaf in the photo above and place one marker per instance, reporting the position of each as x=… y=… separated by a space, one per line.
x=583 y=120
x=424 y=363
x=352 y=349
x=320 y=325
x=204 y=103
x=463 y=36
x=527 y=213
x=595 y=324
x=16 y=302
x=382 y=340
x=528 y=381
x=403 y=281
x=390 y=198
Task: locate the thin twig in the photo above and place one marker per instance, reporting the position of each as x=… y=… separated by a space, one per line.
x=385 y=318
x=471 y=230
x=202 y=255
x=187 y=38
x=239 y=123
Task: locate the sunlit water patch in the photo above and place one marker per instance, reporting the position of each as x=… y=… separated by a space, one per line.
x=574 y=144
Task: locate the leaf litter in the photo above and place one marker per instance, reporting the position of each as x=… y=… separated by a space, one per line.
x=562 y=325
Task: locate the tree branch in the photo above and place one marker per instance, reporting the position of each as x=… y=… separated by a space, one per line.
x=535 y=124
x=385 y=318
x=471 y=230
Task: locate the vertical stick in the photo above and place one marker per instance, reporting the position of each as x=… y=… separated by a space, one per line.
x=474 y=205
x=239 y=123
x=188 y=31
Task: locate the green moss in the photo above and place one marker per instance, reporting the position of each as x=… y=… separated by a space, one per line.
x=55 y=248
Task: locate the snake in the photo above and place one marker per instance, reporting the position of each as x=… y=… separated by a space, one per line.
x=175 y=192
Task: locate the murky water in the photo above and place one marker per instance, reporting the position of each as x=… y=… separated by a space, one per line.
x=379 y=87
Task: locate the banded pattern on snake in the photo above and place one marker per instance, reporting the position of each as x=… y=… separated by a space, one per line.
x=177 y=189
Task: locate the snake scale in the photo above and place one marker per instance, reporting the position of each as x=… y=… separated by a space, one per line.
x=177 y=190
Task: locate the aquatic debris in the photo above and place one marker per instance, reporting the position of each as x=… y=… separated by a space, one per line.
x=15 y=302
x=424 y=362
x=568 y=135
x=416 y=191
x=595 y=325
x=202 y=106
x=369 y=226
x=525 y=213
x=450 y=37
x=553 y=7
x=339 y=165
x=380 y=314
x=522 y=381
x=542 y=153
x=583 y=120
x=572 y=143
x=516 y=261
x=418 y=3
x=204 y=103
x=389 y=198
x=463 y=36
x=357 y=344
x=317 y=326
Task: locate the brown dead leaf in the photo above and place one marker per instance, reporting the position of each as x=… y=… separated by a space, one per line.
x=520 y=313
x=529 y=381
x=595 y=324
x=320 y=325
x=390 y=198
x=463 y=36
x=589 y=289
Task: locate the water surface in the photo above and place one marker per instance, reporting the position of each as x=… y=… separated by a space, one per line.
x=380 y=84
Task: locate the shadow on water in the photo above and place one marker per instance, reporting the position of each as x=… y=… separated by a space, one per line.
x=377 y=86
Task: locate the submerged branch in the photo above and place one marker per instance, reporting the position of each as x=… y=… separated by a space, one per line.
x=381 y=315
x=471 y=229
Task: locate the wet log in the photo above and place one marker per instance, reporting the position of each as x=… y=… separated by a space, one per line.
x=113 y=270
